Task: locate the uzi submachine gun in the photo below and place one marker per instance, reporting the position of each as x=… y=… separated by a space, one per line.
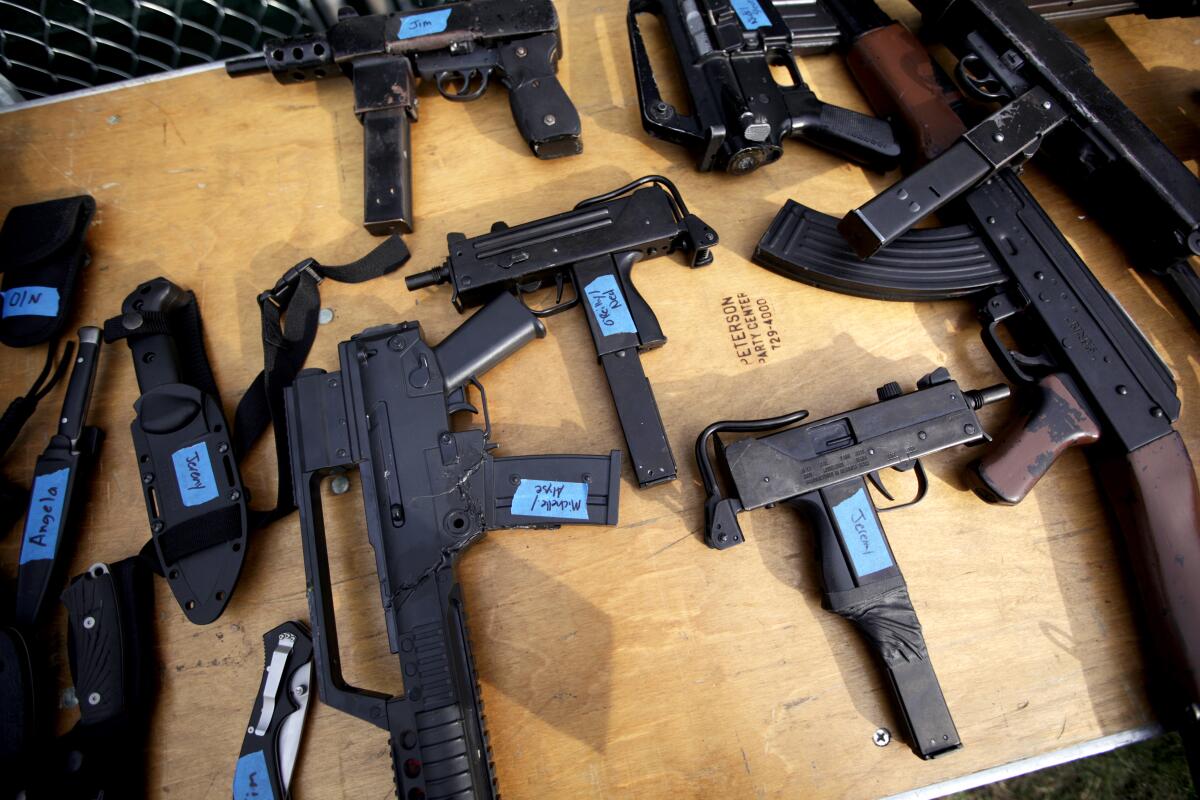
x=429 y=492
x=822 y=468
x=460 y=47
x=1051 y=103
x=1089 y=375
x=740 y=113
x=595 y=248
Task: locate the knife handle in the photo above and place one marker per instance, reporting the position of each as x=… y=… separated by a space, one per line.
x=96 y=645
x=272 y=737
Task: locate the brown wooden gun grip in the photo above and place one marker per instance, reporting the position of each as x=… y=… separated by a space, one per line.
x=1060 y=420
x=897 y=75
x=1153 y=493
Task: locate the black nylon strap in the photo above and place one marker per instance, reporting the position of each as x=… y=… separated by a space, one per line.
x=289 y=326
x=199 y=533
x=21 y=409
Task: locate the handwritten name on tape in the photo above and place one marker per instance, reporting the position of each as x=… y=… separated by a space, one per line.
x=44 y=518
x=194 y=474
x=559 y=499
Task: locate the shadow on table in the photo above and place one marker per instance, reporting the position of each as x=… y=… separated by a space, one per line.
x=548 y=648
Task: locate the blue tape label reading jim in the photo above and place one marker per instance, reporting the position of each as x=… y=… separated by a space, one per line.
x=608 y=306
x=860 y=530
x=751 y=14
x=194 y=474
x=423 y=24
x=45 y=515
x=561 y=499
x=30 y=301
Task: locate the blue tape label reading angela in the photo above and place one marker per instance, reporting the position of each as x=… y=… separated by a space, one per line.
x=608 y=306
x=30 y=301
x=560 y=499
x=194 y=474
x=423 y=24
x=751 y=14
x=860 y=530
x=251 y=781
x=44 y=517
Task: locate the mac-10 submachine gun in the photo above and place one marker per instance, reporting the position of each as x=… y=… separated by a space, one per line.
x=822 y=468
x=429 y=492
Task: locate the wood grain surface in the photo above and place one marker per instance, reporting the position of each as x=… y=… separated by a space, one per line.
x=615 y=662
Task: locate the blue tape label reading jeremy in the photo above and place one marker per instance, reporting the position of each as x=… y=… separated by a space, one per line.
x=608 y=306
x=535 y=498
x=422 y=24
x=45 y=515
x=751 y=14
x=194 y=474
x=251 y=781
x=30 y=301
x=860 y=530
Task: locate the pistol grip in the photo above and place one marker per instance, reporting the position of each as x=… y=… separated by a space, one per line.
x=1059 y=420
x=863 y=584
x=860 y=138
x=622 y=324
x=545 y=115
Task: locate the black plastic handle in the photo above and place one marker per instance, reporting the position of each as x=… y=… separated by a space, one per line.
x=543 y=112
x=860 y=138
x=863 y=584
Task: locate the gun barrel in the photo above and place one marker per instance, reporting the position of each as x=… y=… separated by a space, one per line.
x=430 y=277
x=254 y=64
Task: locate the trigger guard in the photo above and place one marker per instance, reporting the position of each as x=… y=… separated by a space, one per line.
x=457 y=402
x=463 y=96
x=975 y=86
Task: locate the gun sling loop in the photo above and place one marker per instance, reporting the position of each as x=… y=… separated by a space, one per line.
x=289 y=325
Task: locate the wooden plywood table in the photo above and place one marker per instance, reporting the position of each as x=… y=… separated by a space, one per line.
x=615 y=662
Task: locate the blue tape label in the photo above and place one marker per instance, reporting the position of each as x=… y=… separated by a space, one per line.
x=251 y=781
x=30 y=301
x=45 y=514
x=423 y=24
x=608 y=306
x=751 y=14
x=860 y=530
x=535 y=498
x=194 y=474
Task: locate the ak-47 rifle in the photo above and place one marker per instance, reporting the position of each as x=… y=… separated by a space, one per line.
x=1093 y=378
x=1050 y=103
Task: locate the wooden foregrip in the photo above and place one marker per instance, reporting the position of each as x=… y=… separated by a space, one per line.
x=897 y=75
x=1059 y=420
x=1157 y=503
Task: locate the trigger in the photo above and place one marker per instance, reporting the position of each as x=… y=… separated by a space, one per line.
x=558 y=284
x=877 y=482
x=922 y=486
x=457 y=401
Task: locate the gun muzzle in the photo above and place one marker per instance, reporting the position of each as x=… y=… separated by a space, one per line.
x=431 y=277
x=246 y=65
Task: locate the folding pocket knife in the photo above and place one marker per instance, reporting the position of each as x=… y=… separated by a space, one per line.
x=264 y=768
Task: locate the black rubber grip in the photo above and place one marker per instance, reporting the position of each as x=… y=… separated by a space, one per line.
x=857 y=137
x=926 y=264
